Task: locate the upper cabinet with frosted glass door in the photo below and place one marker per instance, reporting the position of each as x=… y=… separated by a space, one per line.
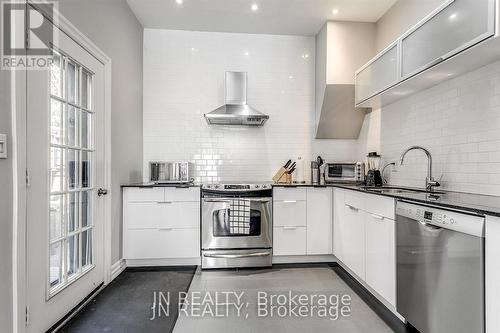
x=457 y=37
x=378 y=74
x=458 y=24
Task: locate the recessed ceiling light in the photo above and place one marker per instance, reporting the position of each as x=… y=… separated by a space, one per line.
x=335 y=11
x=255 y=7
x=179 y=2
x=453 y=16
x=247 y=53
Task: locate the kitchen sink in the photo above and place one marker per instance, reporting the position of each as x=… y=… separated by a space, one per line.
x=398 y=190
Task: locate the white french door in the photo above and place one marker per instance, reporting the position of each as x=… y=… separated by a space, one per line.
x=65 y=161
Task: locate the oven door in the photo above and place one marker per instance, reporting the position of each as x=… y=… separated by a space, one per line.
x=236 y=223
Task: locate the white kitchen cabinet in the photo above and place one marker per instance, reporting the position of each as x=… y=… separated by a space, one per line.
x=364 y=239
x=319 y=220
x=380 y=259
x=338 y=222
x=492 y=234
x=377 y=75
x=354 y=240
x=290 y=213
x=145 y=215
x=161 y=222
x=459 y=25
x=302 y=218
x=288 y=240
x=162 y=243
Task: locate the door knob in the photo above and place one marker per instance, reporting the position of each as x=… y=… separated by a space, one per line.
x=102 y=191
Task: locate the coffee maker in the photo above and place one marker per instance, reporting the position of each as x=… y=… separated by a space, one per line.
x=373 y=177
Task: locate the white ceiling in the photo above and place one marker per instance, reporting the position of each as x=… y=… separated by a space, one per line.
x=289 y=17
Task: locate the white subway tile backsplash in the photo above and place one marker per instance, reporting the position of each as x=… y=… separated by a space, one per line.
x=184 y=78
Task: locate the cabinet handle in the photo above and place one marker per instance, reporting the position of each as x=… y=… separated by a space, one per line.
x=378 y=217
x=289 y=228
x=290 y=201
x=165 y=229
x=352 y=207
x=164 y=202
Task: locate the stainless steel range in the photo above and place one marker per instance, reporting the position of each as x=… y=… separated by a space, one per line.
x=236 y=225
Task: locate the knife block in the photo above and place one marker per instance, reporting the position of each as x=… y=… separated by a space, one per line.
x=282 y=176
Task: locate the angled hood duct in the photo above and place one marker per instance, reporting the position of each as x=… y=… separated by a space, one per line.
x=236 y=111
x=338 y=118
x=341 y=48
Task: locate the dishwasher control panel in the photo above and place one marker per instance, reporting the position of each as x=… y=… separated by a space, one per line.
x=461 y=222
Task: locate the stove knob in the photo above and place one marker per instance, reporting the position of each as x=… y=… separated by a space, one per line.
x=216 y=186
x=257 y=186
x=264 y=186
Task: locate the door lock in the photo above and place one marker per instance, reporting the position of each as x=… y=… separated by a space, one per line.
x=102 y=191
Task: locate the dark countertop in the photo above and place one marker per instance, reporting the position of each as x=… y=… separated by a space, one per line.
x=150 y=185
x=476 y=203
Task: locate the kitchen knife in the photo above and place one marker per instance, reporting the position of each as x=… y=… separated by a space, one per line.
x=287 y=164
x=291 y=170
x=292 y=166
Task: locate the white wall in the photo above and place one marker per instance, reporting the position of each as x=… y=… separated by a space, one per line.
x=184 y=78
x=112 y=26
x=458 y=121
x=400 y=17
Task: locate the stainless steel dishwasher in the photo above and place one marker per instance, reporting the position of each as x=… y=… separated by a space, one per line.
x=440 y=268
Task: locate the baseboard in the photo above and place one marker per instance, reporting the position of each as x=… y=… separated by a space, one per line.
x=303 y=259
x=117 y=268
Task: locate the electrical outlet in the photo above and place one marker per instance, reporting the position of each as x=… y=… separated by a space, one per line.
x=3 y=146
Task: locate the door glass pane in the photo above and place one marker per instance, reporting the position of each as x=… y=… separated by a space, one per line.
x=55 y=264
x=56 y=76
x=377 y=76
x=72 y=168
x=73 y=123
x=71 y=143
x=86 y=208
x=85 y=89
x=72 y=83
x=56 y=169
x=85 y=169
x=456 y=25
x=56 y=216
x=72 y=211
x=86 y=129
x=56 y=122
x=87 y=247
x=72 y=255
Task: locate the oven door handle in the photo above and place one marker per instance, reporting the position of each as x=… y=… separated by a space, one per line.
x=262 y=200
x=217 y=200
x=237 y=256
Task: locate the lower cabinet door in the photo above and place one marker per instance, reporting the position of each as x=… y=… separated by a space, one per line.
x=353 y=251
x=289 y=241
x=380 y=256
x=319 y=221
x=162 y=243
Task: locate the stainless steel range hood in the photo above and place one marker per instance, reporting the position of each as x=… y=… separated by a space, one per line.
x=236 y=111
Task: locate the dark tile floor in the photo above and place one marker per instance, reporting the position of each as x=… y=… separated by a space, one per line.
x=125 y=305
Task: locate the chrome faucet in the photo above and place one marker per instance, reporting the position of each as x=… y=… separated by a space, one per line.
x=430 y=182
